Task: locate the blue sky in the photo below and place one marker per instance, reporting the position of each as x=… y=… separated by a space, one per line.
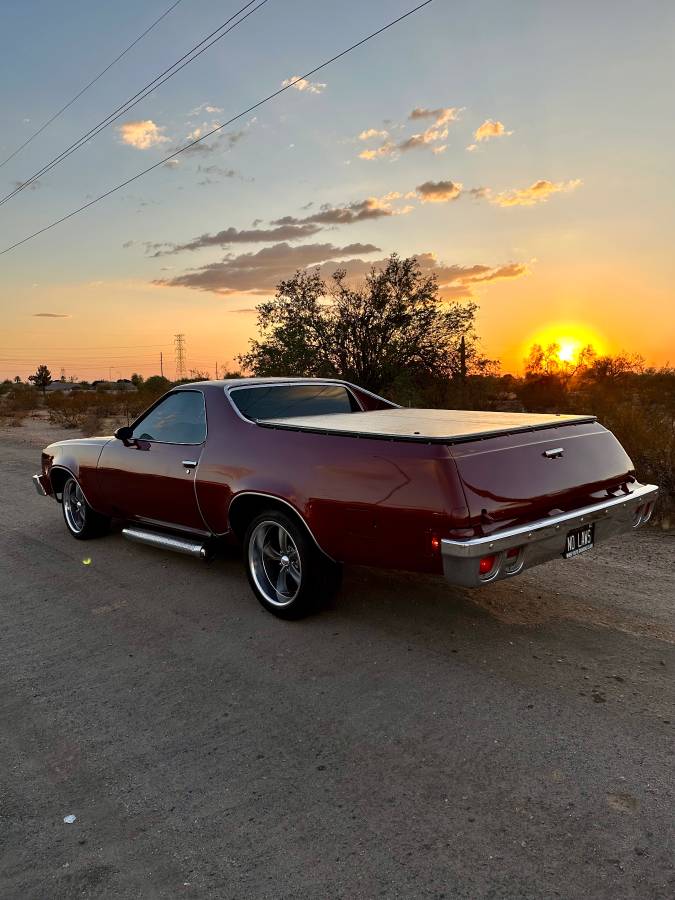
x=582 y=93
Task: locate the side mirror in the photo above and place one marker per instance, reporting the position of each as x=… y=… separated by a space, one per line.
x=124 y=433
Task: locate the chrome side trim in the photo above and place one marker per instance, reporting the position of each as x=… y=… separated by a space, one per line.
x=542 y=540
x=286 y=503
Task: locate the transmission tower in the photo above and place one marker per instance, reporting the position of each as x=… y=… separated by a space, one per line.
x=179 y=344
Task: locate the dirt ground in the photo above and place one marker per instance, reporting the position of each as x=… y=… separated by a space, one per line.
x=414 y=740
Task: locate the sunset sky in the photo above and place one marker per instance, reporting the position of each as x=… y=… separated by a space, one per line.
x=522 y=150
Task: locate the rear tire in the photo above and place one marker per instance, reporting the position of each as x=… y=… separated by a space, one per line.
x=287 y=572
x=81 y=520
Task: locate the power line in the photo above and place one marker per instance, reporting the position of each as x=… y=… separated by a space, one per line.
x=87 y=86
x=158 y=81
x=208 y=134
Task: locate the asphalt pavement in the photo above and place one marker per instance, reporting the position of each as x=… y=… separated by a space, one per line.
x=414 y=740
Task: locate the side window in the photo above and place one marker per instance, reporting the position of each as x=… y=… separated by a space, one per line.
x=179 y=419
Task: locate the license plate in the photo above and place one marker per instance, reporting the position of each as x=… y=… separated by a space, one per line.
x=579 y=541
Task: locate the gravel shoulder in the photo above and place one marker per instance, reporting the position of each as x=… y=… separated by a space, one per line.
x=414 y=740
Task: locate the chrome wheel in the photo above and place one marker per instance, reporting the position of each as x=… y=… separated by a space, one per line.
x=74 y=506
x=274 y=562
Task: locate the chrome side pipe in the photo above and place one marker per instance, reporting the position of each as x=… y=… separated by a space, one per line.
x=166 y=541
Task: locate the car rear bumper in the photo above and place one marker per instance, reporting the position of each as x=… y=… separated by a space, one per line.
x=42 y=485
x=543 y=540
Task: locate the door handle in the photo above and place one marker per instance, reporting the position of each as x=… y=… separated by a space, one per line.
x=190 y=463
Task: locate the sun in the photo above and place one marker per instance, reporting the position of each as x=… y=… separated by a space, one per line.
x=569 y=350
x=571 y=338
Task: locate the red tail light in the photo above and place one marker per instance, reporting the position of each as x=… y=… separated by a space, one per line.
x=486 y=565
x=512 y=552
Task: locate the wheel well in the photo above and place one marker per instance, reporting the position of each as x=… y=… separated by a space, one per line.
x=58 y=478
x=245 y=508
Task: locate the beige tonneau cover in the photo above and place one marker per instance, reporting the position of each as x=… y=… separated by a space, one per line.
x=428 y=425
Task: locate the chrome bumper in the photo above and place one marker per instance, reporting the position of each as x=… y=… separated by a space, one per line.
x=38 y=481
x=544 y=539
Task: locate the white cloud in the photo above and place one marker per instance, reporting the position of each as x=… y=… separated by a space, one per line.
x=142 y=135
x=205 y=108
x=302 y=84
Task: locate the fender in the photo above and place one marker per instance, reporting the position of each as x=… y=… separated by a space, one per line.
x=80 y=459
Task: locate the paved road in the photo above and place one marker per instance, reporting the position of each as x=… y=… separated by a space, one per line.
x=406 y=743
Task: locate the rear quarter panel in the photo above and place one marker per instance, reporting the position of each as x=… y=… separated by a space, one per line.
x=366 y=501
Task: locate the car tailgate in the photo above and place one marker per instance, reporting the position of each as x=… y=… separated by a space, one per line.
x=527 y=475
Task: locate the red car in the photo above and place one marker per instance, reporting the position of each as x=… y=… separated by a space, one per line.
x=312 y=473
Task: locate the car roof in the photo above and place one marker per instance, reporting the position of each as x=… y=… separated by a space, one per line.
x=227 y=383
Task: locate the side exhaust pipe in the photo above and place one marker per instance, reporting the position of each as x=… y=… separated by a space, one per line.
x=166 y=541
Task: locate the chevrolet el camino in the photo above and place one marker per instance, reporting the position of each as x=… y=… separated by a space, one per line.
x=310 y=474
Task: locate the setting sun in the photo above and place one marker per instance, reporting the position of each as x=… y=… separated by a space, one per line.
x=571 y=338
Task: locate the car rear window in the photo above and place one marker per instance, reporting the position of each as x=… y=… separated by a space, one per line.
x=284 y=401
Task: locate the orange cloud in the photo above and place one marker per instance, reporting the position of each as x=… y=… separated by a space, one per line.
x=431 y=137
x=538 y=192
x=372 y=133
x=142 y=134
x=490 y=129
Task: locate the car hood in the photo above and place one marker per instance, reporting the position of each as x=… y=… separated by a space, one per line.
x=82 y=442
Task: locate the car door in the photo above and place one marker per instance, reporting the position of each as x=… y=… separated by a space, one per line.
x=151 y=475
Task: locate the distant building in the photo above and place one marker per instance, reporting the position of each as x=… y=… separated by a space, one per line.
x=61 y=387
x=123 y=384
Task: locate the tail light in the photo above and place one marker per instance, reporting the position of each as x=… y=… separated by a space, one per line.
x=487 y=564
x=514 y=560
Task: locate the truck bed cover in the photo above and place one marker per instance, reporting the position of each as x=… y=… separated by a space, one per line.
x=442 y=426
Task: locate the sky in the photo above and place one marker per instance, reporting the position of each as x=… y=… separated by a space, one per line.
x=523 y=151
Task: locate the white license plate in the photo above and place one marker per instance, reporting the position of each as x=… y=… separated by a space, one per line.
x=579 y=541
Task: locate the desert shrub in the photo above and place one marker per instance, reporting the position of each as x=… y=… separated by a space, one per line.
x=67 y=410
x=20 y=398
x=639 y=408
x=91 y=425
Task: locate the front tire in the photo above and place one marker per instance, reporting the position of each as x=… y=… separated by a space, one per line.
x=81 y=520
x=287 y=572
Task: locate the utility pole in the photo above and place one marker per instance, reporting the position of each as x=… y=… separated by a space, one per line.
x=161 y=364
x=179 y=344
x=462 y=359
x=216 y=370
